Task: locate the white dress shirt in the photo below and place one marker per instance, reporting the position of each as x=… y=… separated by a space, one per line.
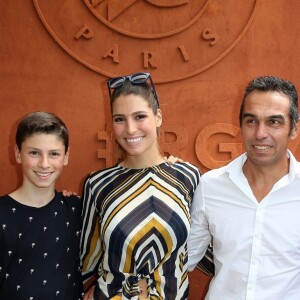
x=256 y=244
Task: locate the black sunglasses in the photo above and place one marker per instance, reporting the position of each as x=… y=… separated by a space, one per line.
x=137 y=78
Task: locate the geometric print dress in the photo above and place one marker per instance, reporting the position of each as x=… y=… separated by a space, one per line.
x=135 y=225
x=39 y=250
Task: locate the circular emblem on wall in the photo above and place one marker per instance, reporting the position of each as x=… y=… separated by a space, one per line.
x=174 y=39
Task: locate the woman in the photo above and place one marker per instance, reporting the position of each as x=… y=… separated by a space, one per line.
x=136 y=214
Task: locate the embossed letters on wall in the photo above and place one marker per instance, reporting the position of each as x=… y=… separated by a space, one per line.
x=172 y=39
x=135 y=34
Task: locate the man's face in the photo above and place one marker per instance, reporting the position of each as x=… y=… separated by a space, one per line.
x=266 y=127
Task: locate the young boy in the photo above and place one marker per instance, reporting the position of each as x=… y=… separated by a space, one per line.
x=39 y=227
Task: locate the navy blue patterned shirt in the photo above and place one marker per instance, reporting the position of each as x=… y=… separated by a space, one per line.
x=39 y=250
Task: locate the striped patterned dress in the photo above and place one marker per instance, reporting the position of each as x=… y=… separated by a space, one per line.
x=135 y=225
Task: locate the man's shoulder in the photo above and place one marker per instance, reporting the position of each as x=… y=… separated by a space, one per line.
x=216 y=172
x=213 y=174
x=233 y=166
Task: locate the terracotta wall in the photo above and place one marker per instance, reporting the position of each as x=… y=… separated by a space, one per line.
x=57 y=55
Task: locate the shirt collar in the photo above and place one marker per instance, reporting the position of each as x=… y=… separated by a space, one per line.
x=235 y=167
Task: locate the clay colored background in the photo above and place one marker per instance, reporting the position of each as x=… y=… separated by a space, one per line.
x=57 y=55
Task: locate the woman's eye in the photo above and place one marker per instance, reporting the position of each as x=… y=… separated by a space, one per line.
x=140 y=117
x=118 y=120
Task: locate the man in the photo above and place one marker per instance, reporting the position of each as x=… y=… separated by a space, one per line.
x=251 y=207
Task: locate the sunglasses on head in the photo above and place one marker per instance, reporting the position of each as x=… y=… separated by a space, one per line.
x=137 y=78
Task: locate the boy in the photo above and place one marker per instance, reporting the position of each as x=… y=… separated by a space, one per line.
x=39 y=227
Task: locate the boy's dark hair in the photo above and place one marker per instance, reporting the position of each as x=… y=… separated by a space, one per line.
x=274 y=84
x=41 y=122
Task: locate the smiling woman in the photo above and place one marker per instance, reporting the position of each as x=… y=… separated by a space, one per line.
x=136 y=214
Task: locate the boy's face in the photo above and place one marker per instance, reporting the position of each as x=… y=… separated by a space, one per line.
x=42 y=157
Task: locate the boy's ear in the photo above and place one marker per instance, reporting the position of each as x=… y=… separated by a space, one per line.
x=17 y=154
x=66 y=159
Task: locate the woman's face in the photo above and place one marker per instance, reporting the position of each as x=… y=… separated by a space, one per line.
x=135 y=125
